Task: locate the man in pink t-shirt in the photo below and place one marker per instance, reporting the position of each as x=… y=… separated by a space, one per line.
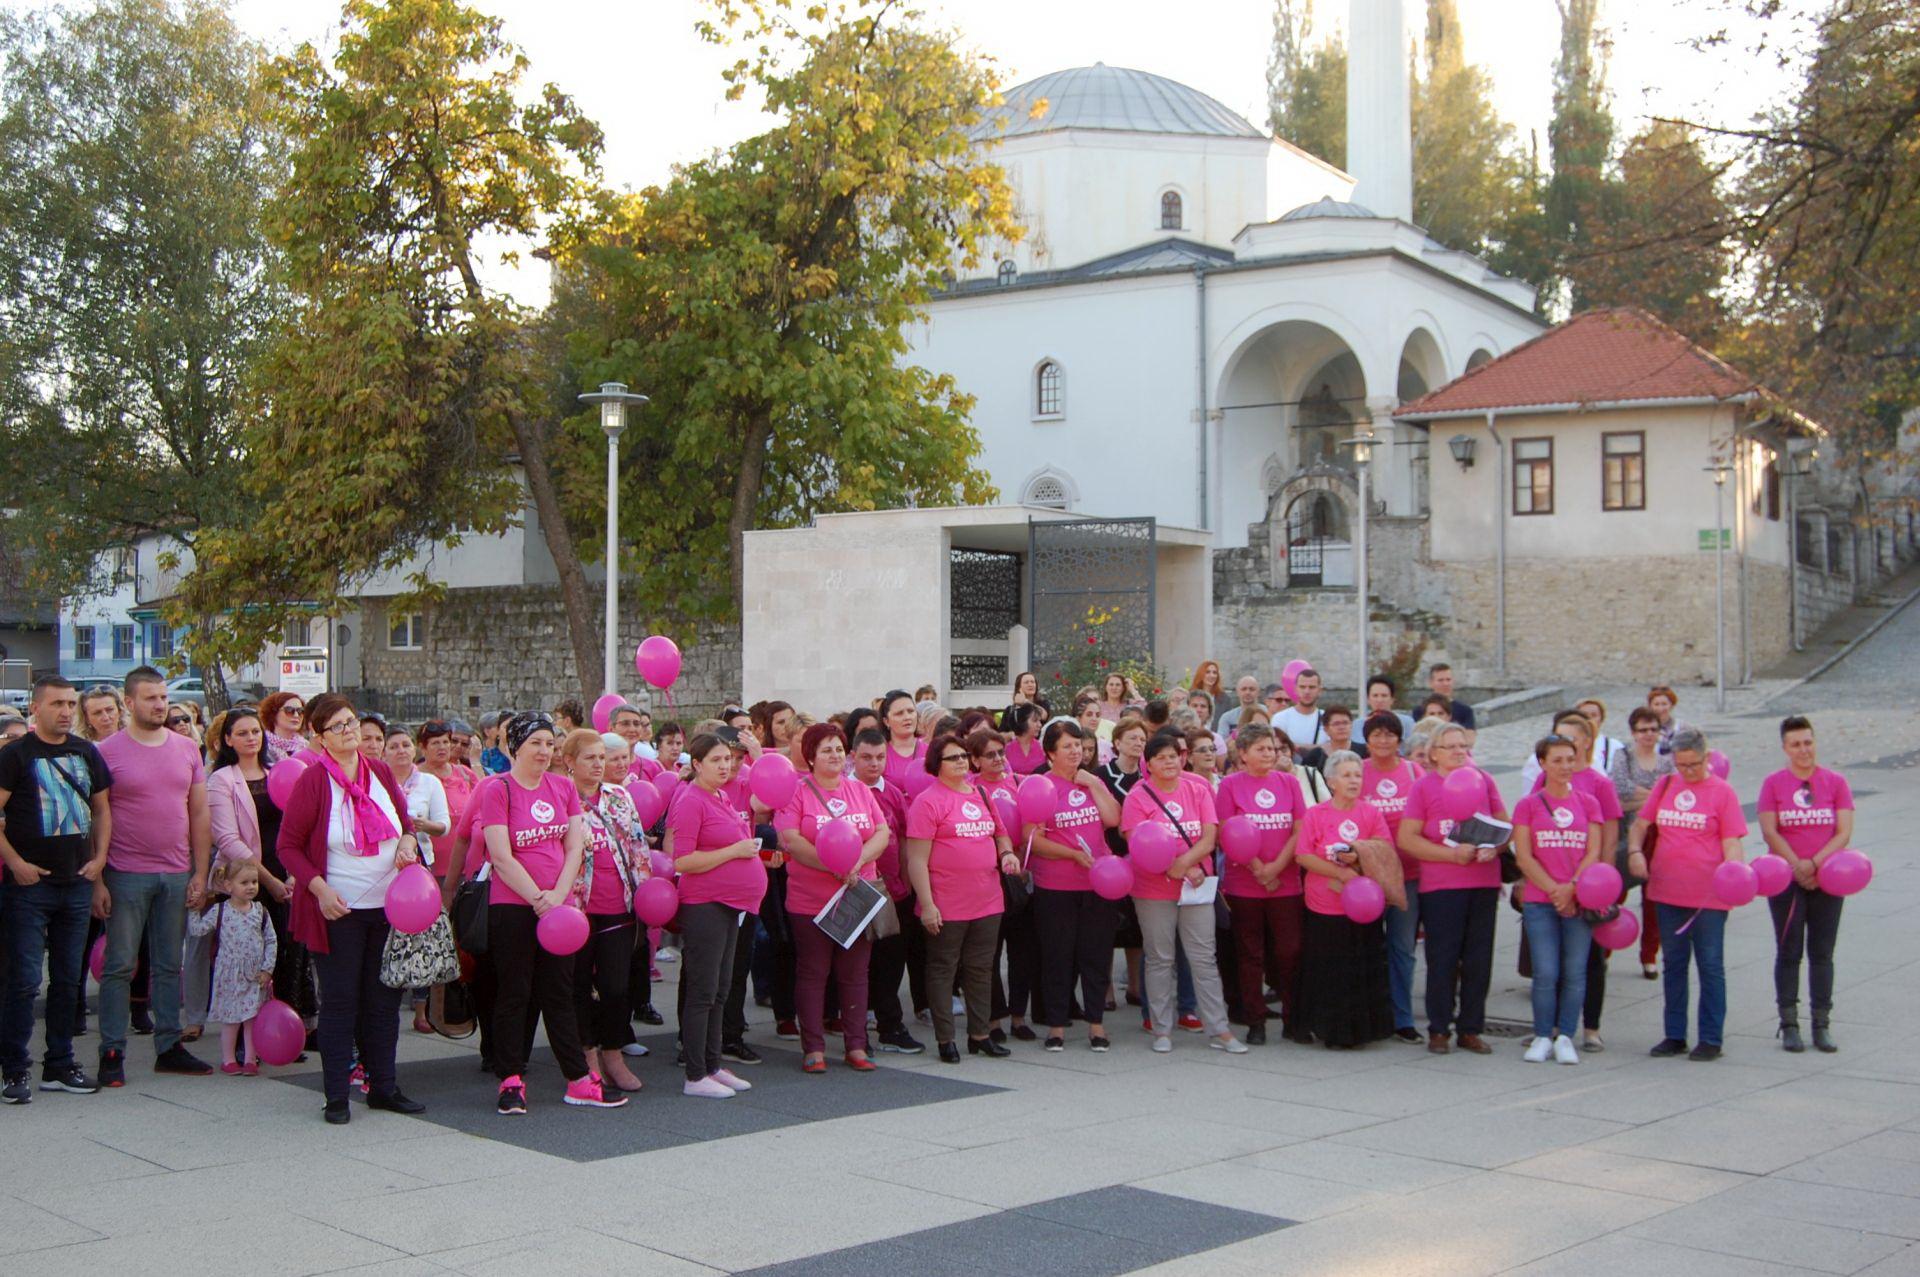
x=157 y=863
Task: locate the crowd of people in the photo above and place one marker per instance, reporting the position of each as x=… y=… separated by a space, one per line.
x=1202 y=843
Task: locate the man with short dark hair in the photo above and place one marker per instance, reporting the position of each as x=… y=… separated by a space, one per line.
x=1380 y=696
x=1303 y=722
x=1440 y=680
x=53 y=789
x=1248 y=692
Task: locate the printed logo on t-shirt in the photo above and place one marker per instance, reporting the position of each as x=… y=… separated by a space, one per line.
x=1264 y=799
x=1349 y=830
x=1803 y=797
x=1684 y=800
x=970 y=811
x=1173 y=809
x=1562 y=816
x=837 y=806
x=1076 y=798
x=541 y=811
x=1386 y=787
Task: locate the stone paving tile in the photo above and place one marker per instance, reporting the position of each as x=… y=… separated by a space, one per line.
x=1641 y=1176
x=1765 y=1234
x=273 y=1247
x=25 y=1228
x=1623 y=1254
x=1904 y=1264
x=1246 y=1186
x=1890 y=1212
x=557 y=1250
x=1752 y=1141
x=1488 y=1136
x=1375 y=1169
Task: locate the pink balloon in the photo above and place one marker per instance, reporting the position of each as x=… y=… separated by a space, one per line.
x=661 y=864
x=837 y=843
x=1290 y=675
x=603 y=710
x=1153 y=848
x=562 y=931
x=1719 y=764
x=656 y=901
x=1007 y=810
x=1112 y=880
x=413 y=900
x=1773 y=874
x=1239 y=839
x=281 y=778
x=1598 y=886
x=918 y=782
x=1734 y=883
x=648 y=801
x=97 y=958
x=666 y=782
x=1623 y=932
x=1845 y=872
x=1465 y=793
x=1036 y=800
x=278 y=1035
x=658 y=660
x=773 y=781
x=1363 y=899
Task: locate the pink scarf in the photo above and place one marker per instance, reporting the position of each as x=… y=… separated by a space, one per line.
x=370 y=824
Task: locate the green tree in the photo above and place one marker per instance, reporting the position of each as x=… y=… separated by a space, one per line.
x=1580 y=134
x=762 y=298
x=393 y=397
x=1307 y=84
x=135 y=284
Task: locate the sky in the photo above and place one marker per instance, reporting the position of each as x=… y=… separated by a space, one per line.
x=638 y=68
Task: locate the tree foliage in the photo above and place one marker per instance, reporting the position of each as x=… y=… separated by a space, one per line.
x=1580 y=134
x=762 y=298
x=1307 y=84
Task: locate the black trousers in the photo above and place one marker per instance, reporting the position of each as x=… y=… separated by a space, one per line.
x=1459 y=923
x=885 y=965
x=1074 y=931
x=1596 y=988
x=1021 y=990
x=600 y=971
x=916 y=937
x=708 y=944
x=356 y=1010
x=1805 y=923
x=530 y=979
x=773 y=916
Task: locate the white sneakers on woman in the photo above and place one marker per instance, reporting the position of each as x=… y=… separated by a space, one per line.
x=1560 y=1048
x=708 y=1088
x=731 y=1080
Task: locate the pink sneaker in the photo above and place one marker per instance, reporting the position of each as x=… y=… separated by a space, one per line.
x=230 y=1069
x=250 y=1069
x=708 y=1088
x=588 y=1092
x=730 y=1080
x=359 y=1078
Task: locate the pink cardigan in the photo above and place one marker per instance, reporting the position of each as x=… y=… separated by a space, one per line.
x=303 y=844
x=236 y=821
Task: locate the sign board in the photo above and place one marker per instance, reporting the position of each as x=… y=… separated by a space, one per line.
x=303 y=670
x=1707 y=537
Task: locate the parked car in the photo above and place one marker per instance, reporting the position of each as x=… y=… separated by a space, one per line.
x=187 y=688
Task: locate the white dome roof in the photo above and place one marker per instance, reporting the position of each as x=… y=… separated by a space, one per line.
x=1117 y=99
x=1326 y=206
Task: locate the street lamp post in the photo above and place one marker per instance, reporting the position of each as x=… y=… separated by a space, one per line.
x=614 y=399
x=1362 y=445
x=1719 y=473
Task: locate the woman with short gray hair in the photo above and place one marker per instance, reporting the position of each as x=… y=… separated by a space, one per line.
x=1343 y=979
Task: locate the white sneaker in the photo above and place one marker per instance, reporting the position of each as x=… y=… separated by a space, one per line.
x=1162 y=1045
x=959 y=1005
x=666 y=953
x=1230 y=1044
x=1539 y=1051
x=728 y=1079
x=1563 y=1051
x=708 y=1088
x=633 y=1048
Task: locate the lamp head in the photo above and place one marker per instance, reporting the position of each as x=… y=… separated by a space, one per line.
x=1462 y=446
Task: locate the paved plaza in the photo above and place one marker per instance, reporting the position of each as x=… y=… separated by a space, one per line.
x=1288 y=1159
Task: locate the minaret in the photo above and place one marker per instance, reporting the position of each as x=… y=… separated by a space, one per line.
x=1379 y=115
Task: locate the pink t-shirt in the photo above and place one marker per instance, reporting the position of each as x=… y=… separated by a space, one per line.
x=700 y=820
x=644 y=769
x=536 y=823
x=1595 y=784
x=1807 y=811
x=1326 y=826
x=607 y=893
x=1276 y=806
x=1191 y=805
x=1387 y=793
x=149 y=802
x=1025 y=760
x=472 y=829
x=1426 y=805
x=963 y=869
x=808 y=890
x=1559 y=827
x=1076 y=823
x=458 y=784
x=1692 y=820
x=901 y=768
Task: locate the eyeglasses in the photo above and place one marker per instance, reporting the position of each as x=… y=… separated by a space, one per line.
x=953 y=758
x=345 y=727
x=1646 y=727
x=181 y=721
x=993 y=754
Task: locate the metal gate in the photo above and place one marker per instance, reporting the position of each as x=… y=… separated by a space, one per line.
x=1090 y=577
x=983 y=600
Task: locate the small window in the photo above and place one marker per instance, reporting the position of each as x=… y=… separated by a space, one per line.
x=1047 y=490
x=295 y=633
x=123 y=642
x=406 y=632
x=1049 y=399
x=1623 y=471
x=83 y=642
x=1837 y=555
x=123 y=566
x=1533 y=476
x=159 y=641
x=1768 y=497
x=1008 y=271
x=1807 y=543
x=1171 y=210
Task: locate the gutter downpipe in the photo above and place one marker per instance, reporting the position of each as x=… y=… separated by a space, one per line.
x=1200 y=387
x=1500 y=520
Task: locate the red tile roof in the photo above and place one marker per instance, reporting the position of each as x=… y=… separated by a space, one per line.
x=1613 y=355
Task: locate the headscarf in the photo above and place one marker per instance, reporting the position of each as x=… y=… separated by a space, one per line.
x=525 y=724
x=370 y=824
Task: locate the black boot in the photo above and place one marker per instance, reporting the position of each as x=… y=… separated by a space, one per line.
x=1789 y=1034
x=1823 y=1040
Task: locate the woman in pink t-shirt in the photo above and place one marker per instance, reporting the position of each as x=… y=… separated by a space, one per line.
x=1700 y=826
x=1264 y=896
x=993 y=772
x=1182 y=802
x=1343 y=978
x=1386 y=782
x=616 y=862
x=957 y=848
x=1556 y=835
x=1073 y=925
x=827 y=793
x=1025 y=754
x=1459 y=896
x=906 y=752
x=536 y=840
x=1806 y=814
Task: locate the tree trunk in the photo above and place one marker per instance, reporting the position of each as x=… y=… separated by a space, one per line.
x=581 y=631
x=746 y=494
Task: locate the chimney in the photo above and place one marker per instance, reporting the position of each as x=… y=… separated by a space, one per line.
x=1379 y=115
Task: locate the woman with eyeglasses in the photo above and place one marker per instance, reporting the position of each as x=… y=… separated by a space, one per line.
x=1700 y=828
x=993 y=770
x=1806 y=815
x=285 y=717
x=957 y=847
x=1636 y=769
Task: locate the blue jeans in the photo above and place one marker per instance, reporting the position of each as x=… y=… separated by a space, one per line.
x=157 y=904
x=53 y=919
x=1559 y=948
x=1706 y=941
x=1403 y=928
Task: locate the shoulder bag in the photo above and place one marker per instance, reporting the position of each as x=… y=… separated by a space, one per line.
x=420 y=961
x=1016 y=890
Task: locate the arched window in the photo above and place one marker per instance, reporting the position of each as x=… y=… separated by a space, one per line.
x=1049 y=390
x=1008 y=271
x=1048 y=490
x=1171 y=218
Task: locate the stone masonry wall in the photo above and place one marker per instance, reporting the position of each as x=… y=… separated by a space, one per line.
x=502 y=648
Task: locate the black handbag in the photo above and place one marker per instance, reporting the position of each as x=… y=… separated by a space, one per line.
x=1016 y=890
x=469 y=912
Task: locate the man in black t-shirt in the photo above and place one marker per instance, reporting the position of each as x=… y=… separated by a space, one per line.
x=1440 y=679
x=53 y=789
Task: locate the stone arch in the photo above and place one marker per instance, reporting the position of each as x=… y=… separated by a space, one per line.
x=1050 y=486
x=1309 y=535
x=1423 y=363
x=1483 y=349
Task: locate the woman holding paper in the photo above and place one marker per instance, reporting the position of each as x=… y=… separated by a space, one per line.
x=1074 y=924
x=826 y=794
x=1459 y=888
x=1343 y=982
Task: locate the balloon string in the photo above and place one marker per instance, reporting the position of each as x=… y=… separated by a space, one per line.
x=1689 y=922
x=1792 y=904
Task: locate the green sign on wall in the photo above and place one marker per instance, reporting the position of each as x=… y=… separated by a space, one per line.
x=1706 y=539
